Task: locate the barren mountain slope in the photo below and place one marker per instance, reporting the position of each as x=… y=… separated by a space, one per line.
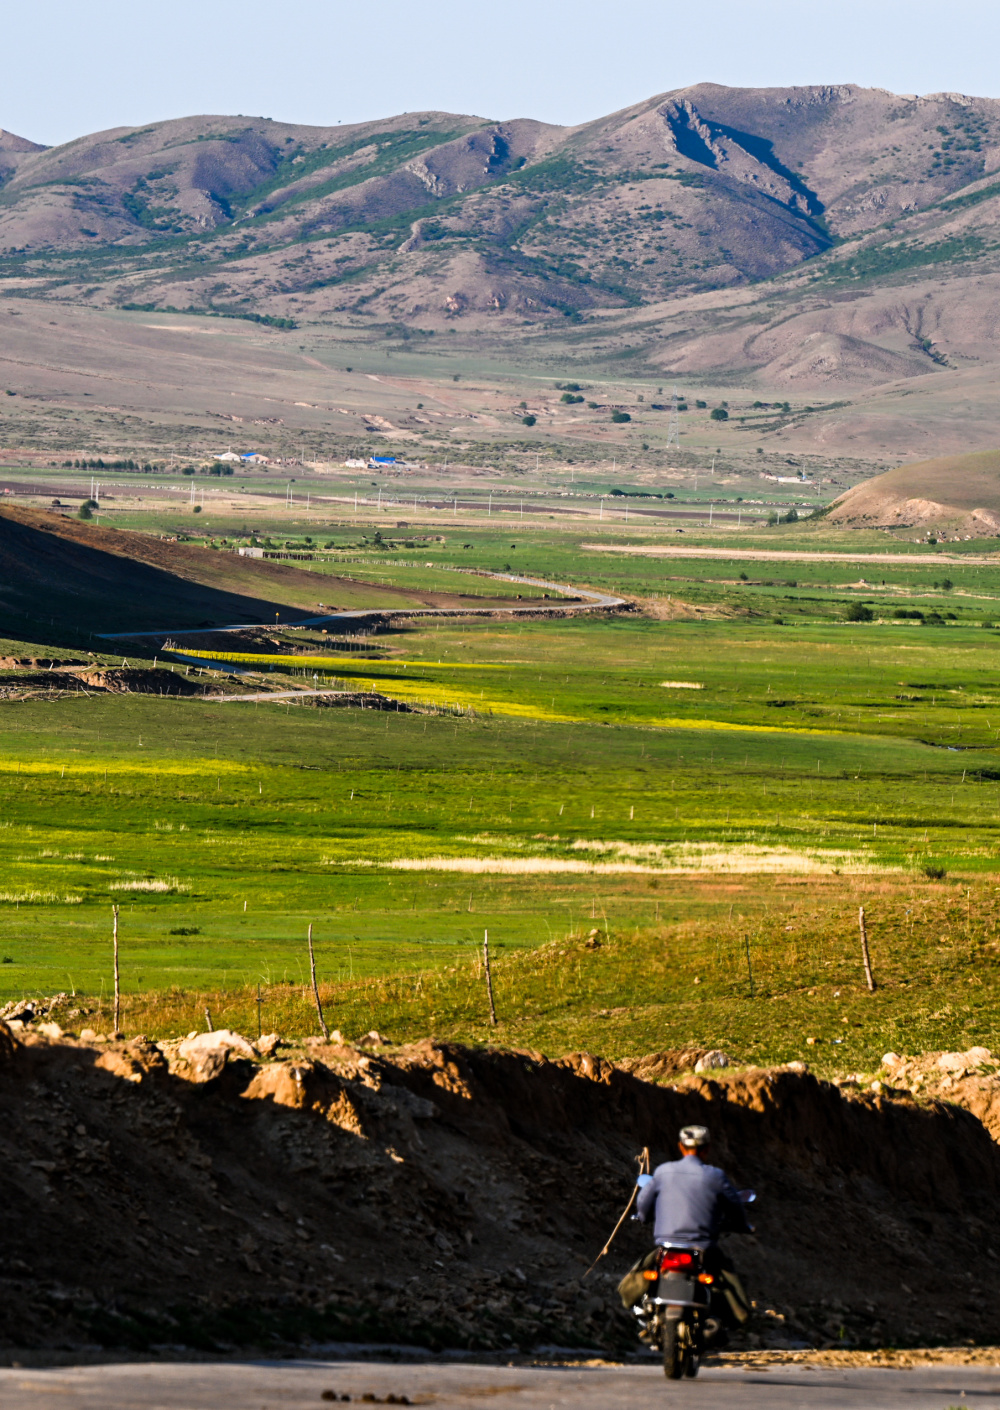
x=957 y=492
x=433 y=216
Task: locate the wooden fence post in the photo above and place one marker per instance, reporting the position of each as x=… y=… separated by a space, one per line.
x=117 y=986
x=865 y=956
x=489 y=977
x=312 y=971
x=746 y=945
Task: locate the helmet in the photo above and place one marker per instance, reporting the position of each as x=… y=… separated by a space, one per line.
x=694 y=1136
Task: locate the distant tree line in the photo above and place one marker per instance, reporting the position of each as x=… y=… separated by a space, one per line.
x=99 y=464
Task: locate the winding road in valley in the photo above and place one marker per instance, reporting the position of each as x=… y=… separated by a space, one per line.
x=590 y=601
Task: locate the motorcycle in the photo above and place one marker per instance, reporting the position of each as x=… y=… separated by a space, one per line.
x=683 y=1310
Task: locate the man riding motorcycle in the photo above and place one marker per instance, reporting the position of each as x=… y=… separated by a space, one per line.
x=692 y=1203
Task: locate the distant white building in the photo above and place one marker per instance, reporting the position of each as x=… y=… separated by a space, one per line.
x=355 y=464
x=230 y=456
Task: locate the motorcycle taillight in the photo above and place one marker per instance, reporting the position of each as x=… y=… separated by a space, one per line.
x=675 y=1258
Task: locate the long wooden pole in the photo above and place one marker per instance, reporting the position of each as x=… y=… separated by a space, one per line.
x=117 y=986
x=865 y=956
x=643 y=1161
x=489 y=976
x=312 y=971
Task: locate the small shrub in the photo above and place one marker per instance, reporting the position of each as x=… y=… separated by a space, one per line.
x=933 y=872
x=528 y=420
x=718 y=413
x=701 y=405
x=620 y=416
x=858 y=612
x=85 y=512
x=908 y=614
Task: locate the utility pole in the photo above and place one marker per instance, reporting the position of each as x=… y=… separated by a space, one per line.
x=674 y=425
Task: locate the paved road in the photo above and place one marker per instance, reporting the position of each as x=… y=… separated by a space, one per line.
x=590 y=599
x=296 y=1385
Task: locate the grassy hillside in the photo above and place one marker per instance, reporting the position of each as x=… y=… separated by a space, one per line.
x=944 y=491
x=82 y=580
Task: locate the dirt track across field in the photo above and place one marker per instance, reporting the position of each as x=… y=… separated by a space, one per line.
x=786 y=555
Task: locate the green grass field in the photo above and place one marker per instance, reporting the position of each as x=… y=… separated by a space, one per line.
x=688 y=786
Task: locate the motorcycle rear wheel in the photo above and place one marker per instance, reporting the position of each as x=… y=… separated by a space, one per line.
x=675 y=1348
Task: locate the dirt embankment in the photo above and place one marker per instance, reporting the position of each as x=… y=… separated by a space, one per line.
x=167 y=1195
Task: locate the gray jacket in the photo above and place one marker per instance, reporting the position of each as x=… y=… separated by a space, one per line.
x=692 y=1203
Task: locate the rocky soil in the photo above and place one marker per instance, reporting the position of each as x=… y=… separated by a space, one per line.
x=212 y=1194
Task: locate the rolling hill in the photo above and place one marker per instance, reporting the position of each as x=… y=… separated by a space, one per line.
x=432 y=219
x=959 y=494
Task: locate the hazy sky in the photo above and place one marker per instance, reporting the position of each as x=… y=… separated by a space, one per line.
x=76 y=68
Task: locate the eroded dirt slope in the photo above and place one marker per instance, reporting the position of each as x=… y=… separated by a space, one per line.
x=448 y=1196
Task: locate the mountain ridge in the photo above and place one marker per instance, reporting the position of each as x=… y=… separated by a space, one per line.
x=828 y=204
